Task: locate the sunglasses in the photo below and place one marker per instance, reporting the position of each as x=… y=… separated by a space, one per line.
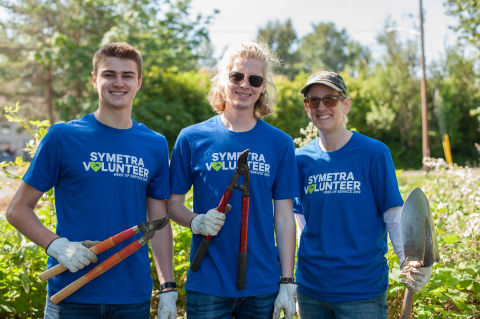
x=328 y=100
x=255 y=80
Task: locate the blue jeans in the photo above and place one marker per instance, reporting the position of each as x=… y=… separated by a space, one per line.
x=65 y=310
x=312 y=308
x=202 y=306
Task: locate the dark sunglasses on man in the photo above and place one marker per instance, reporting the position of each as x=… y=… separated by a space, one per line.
x=255 y=80
x=328 y=100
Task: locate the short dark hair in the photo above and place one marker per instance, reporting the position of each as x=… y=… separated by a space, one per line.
x=120 y=50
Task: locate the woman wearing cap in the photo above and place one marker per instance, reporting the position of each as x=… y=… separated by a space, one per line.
x=348 y=201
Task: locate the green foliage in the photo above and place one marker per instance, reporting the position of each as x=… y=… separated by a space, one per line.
x=453 y=291
x=327 y=48
x=48 y=47
x=288 y=112
x=22 y=294
x=282 y=38
x=456 y=79
x=170 y=101
x=20 y=290
x=468 y=14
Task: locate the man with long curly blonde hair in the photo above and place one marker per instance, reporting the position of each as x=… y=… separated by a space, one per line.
x=205 y=156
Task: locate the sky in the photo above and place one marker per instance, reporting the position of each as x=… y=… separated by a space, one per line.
x=239 y=21
x=363 y=20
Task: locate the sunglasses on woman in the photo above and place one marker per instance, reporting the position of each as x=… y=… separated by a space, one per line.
x=328 y=100
x=255 y=80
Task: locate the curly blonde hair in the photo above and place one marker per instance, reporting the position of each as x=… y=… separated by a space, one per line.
x=250 y=50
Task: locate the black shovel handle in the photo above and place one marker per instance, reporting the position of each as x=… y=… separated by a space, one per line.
x=407 y=304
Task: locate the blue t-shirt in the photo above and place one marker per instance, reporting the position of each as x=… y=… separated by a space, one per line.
x=101 y=178
x=343 y=197
x=205 y=156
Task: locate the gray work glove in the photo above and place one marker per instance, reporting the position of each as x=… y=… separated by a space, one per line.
x=167 y=305
x=90 y=243
x=416 y=276
x=285 y=300
x=71 y=254
x=209 y=224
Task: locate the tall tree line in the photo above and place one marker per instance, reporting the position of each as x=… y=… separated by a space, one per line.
x=385 y=91
x=45 y=64
x=46 y=47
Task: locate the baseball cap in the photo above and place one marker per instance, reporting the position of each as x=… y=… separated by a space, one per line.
x=331 y=79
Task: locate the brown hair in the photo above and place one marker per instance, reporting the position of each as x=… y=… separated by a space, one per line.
x=260 y=51
x=120 y=50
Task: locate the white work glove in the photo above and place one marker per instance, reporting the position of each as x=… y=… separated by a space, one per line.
x=285 y=300
x=416 y=276
x=71 y=254
x=209 y=223
x=167 y=305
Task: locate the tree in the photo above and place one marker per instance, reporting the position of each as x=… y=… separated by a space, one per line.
x=282 y=39
x=395 y=106
x=327 y=48
x=459 y=98
x=49 y=45
x=468 y=14
x=46 y=40
x=172 y=101
x=289 y=114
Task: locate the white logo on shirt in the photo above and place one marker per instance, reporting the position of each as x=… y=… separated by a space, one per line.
x=120 y=165
x=333 y=183
x=227 y=161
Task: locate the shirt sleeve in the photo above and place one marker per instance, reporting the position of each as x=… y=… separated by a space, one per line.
x=159 y=187
x=181 y=179
x=44 y=170
x=384 y=181
x=286 y=181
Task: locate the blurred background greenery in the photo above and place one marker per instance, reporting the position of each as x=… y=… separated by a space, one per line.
x=45 y=63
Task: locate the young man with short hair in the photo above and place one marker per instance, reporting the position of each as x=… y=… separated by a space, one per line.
x=109 y=173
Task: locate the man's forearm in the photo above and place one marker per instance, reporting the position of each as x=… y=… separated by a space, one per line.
x=178 y=211
x=285 y=235
x=162 y=251
x=20 y=213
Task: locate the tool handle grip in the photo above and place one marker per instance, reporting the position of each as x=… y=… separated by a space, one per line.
x=52 y=272
x=95 y=272
x=242 y=270
x=68 y=290
x=205 y=243
x=59 y=268
x=201 y=251
x=224 y=201
x=407 y=304
x=97 y=249
x=244 y=225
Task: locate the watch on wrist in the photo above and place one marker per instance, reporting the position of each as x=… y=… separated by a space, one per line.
x=287 y=280
x=168 y=284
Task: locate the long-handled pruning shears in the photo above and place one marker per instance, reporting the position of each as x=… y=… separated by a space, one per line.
x=148 y=228
x=242 y=169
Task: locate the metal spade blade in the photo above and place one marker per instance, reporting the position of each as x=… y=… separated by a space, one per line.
x=419 y=237
x=418 y=230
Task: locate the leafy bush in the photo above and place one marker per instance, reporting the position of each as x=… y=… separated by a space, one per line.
x=454 y=289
